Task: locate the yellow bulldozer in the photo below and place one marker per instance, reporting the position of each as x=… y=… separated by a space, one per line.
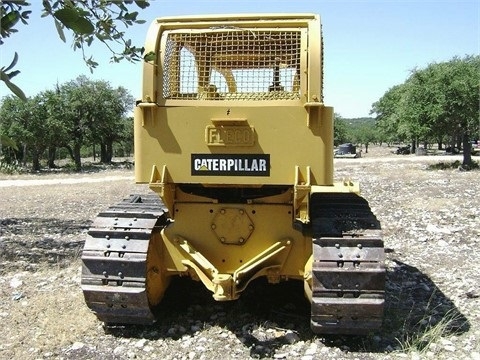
x=233 y=137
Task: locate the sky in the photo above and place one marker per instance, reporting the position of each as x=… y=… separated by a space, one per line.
x=370 y=45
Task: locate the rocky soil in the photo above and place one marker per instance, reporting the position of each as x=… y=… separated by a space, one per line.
x=431 y=224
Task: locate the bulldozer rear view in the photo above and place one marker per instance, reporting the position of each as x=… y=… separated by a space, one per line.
x=233 y=137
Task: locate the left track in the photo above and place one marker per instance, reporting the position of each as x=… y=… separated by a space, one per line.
x=114 y=260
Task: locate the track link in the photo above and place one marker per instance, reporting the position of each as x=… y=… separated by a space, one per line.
x=114 y=260
x=348 y=272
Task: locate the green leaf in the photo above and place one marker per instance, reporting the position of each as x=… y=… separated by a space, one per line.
x=142 y=4
x=13 y=63
x=149 y=56
x=72 y=20
x=66 y=16
x=9 y=20
x=13 y=88
x=13 y=74
x=46 y=5
x=60 y=32
x=121 y=6
x=7 y=142
x=102 y=37
x=83 y=26
x=26 y=14
x=131 y=16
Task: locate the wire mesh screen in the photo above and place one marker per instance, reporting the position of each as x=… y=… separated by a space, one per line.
x=233 y=64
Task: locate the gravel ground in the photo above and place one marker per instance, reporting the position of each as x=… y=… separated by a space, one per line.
x=431 y=225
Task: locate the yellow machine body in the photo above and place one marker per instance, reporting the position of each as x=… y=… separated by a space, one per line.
x=237 y=57
x=239 y=99
x=232 y=134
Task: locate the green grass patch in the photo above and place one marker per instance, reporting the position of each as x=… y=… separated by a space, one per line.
x=454 y=165
x=10 y=169
x=427 y=333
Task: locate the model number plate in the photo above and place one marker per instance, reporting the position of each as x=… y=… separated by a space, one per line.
x=229 y=135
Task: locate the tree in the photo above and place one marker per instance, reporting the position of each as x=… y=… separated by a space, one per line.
x=460 y=79
x=363 y=131
x=93 y=113
x=387 y=110
x=78 y=113
x=25 y=121
x=88 y=20
x=56 y=107
x=108 y=125
x=436 y=102
x=339 y=130
x=442 y=100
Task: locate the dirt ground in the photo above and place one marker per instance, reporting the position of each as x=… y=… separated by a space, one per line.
x=431 y=226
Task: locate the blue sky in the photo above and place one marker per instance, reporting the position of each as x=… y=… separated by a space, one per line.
x=370 y=45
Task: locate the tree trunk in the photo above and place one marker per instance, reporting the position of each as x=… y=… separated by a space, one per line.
x=24 y=155
x=106 y=152
x=77 y=156
x=52 y=152
x=467 y=151
x=109 y=152
x=440 y=144
x=414 y=146
x=103 y=153
x=70 y=152
x=459 y=141
x=35 y=161
x=366 y=148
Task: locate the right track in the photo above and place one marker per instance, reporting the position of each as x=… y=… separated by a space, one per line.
x=348 y=272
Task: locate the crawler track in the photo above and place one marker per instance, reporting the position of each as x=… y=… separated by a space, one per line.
x=114 y=260
x=348 y=270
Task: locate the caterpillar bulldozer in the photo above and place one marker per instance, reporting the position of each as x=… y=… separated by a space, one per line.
x=235 y=142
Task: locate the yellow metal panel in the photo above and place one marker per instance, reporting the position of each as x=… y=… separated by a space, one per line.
x=172 y=135
x=271 y=224
x=288 y=129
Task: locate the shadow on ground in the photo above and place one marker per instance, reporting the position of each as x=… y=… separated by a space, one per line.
x=68 y=167
x=414 y=305
x=266 y=317
x=25 y=242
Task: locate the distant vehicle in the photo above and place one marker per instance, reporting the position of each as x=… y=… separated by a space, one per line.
x=451 y=150
x=347 y=150
x=403 y=150
x=475 y=147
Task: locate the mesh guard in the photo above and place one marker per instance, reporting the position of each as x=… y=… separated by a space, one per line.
x=232 y=64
